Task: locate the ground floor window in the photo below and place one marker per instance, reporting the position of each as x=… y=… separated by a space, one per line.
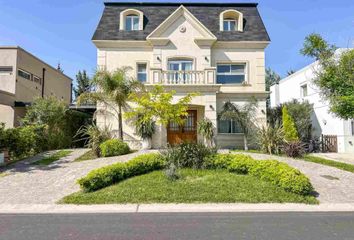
x=141 y=72
x=228 y=126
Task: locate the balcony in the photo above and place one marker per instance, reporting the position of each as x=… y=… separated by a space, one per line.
x=188 y=77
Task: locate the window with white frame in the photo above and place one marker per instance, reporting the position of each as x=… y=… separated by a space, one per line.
x=24 y=74
x=6 y=70
x=304 y=90
x=142 y=72
x=230 y=25
x=37 y=79
x=231 y=73
x=132 y=23
x=228 y=126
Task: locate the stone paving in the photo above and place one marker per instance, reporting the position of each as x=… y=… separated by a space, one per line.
x=332 y=185
x=25 y=183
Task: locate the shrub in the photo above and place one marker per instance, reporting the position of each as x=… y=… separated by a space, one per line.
x=290 y=133
x=172 y=173
x=271 y=138
x=241 y=164
x=190 y=155
x=205 y=128
x=93 y=136
x=273 y=171
x=114 y=147
x=294 y=149
x=106 y=176
x=282 y=175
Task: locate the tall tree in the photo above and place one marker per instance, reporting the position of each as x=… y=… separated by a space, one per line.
x=244 y=116
x=83 y=83
x=271 y=78
x=335 y=75
x=113 y=90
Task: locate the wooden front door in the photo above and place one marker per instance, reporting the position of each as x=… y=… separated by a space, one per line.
x=177 y=134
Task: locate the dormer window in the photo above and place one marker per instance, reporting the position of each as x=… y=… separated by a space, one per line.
x=231 y=20
x=131 y=20
x=132 y=23
x=230 y=25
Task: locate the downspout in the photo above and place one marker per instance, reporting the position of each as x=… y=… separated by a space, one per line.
x=43 y=77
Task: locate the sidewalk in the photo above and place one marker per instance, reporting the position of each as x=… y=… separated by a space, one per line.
x=173 y=208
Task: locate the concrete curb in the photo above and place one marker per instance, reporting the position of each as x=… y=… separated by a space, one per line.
x=172 y=208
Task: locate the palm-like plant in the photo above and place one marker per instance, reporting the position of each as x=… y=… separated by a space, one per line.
x=113 y=90
x=206 y=129
x=244 y=116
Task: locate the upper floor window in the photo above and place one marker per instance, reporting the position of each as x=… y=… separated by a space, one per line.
x=230 y=25
x=304 y=92
x=6 y=70
x=24 y=74
x=231 y=20
x=131 y=20
x=230 y=73
x=141 y=72
x=131 y=23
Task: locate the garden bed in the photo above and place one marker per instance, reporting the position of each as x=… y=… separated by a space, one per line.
x=194 y=186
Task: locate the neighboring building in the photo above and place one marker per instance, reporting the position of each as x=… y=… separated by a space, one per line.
x=216 y=49
x=300 y=86
x=23 y=77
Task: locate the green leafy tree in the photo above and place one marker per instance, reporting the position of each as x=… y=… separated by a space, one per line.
x=83 y=83
x=244 y=116
x=157 y=104
x=113 y=90
x=290 y=133
x=335 y=75
x=316 y=47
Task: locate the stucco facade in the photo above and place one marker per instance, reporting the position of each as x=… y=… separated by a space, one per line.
x=24 y=77
x=181 y=36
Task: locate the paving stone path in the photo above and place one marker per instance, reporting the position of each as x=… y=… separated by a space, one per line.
x=332 y=185
x=25 y=183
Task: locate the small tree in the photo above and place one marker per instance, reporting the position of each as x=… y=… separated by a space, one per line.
x=206 y=129
x=113 y=90
x=244 y=116
x=290 y=133
x=315 y=46
x=271 y=78
x=156 y=104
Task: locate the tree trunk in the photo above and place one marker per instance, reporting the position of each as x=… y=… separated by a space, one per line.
x=245 y=142
x=120 y=123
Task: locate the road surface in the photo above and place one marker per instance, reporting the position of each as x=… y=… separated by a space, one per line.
x=269 y=226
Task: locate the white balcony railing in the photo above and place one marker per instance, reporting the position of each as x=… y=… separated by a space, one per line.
x=171 y=77
x=183 y=77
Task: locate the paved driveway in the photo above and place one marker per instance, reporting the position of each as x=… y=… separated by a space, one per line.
x=333 y=185
x=28 y=184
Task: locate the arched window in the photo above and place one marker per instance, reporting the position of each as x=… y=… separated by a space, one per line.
x=231 y=20
x=131 y=20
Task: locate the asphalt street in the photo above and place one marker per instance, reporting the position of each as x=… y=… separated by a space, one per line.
x=270 y=226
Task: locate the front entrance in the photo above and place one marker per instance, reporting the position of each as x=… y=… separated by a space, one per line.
x=177 y=134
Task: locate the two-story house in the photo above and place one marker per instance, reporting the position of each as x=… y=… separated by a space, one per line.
x=215 y=49
x=23 y=77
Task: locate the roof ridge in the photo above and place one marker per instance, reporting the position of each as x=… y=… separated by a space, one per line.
x=245 y=4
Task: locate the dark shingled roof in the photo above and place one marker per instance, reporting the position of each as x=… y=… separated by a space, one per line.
x=156 y=13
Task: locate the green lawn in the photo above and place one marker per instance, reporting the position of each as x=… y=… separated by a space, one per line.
x=54 y=157
x=86 y=156
x=340 y=165
x=195 y=186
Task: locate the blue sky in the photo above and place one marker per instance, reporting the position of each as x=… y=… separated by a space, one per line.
x=61 y=30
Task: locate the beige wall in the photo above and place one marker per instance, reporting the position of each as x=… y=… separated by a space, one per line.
x=7 y=59
x=55 y=83
x=15 y=88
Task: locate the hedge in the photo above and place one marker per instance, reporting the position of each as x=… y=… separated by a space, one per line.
x=114 y=147
x=109 y=175
x=280 y=174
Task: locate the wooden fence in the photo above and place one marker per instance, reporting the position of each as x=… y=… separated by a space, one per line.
x=329 y=143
